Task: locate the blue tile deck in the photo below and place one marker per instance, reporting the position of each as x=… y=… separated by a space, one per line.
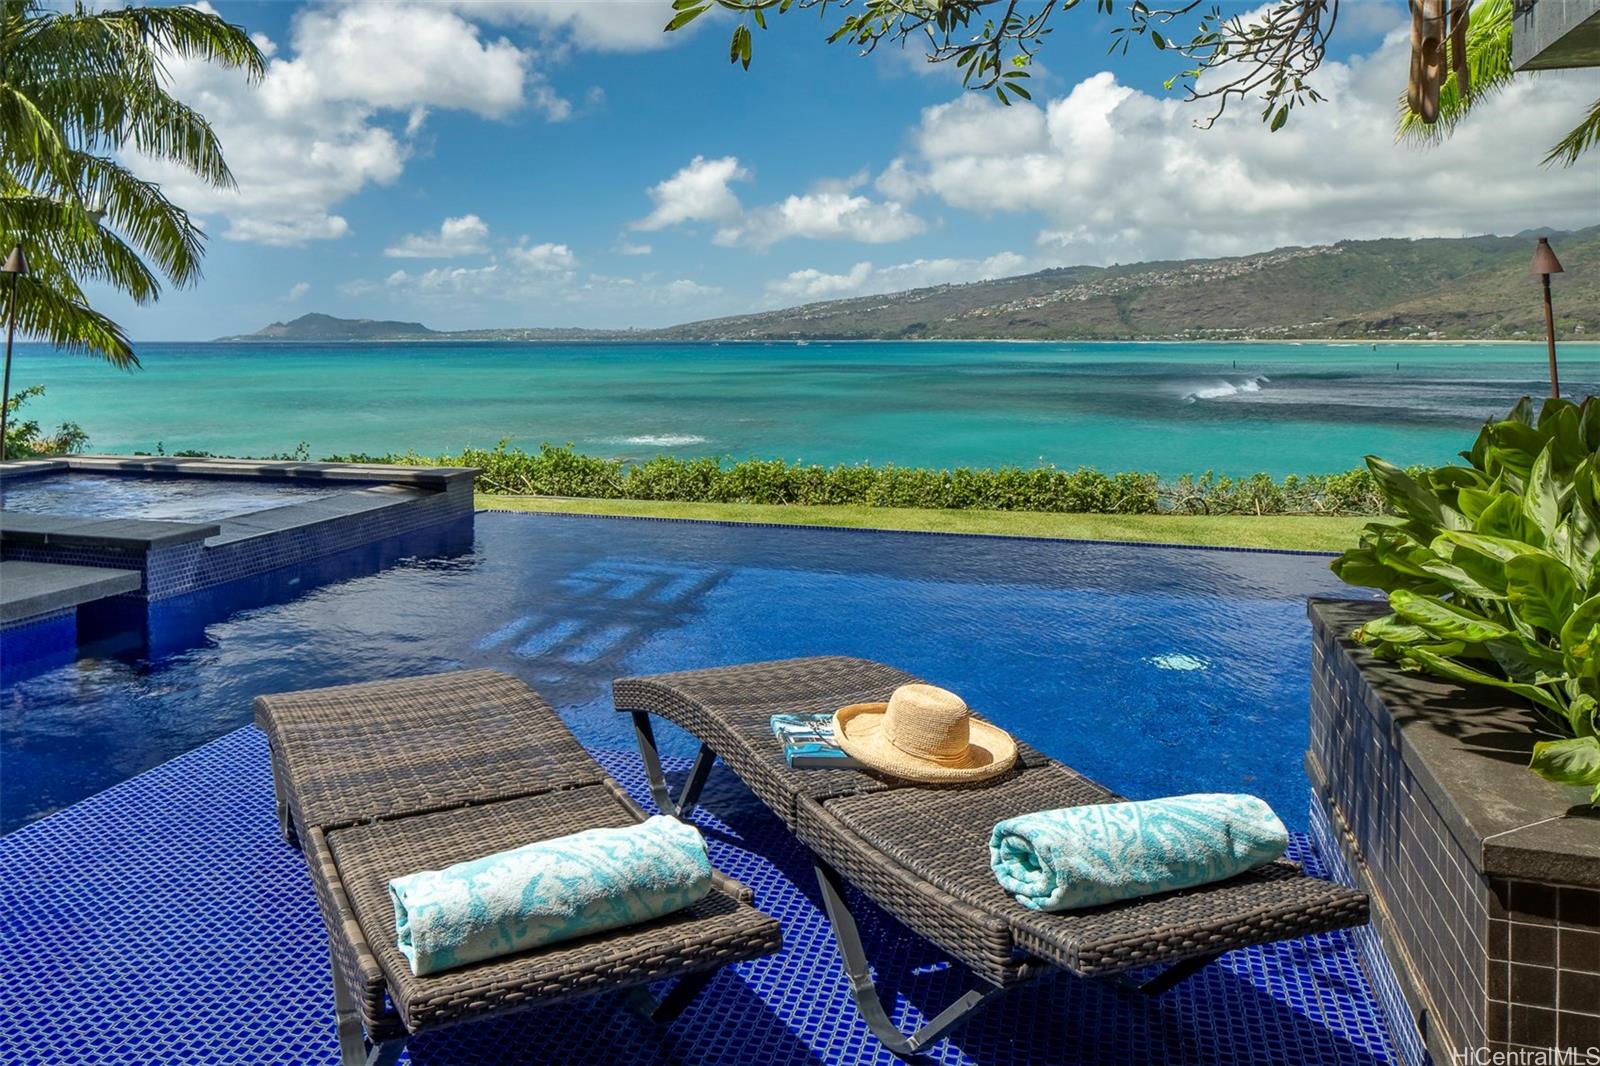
x=163 y=921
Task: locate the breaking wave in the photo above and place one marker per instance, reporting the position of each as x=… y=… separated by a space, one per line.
x=1223 y=389
x=659 y=440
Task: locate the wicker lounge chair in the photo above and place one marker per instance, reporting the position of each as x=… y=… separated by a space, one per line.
x=383 y=779
x=921 y=852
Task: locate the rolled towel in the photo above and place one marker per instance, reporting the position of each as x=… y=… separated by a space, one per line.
x=547 y=892
x=1085 y=856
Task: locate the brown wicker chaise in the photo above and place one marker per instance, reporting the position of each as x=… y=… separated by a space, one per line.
x=383 y=779
x=921 y=852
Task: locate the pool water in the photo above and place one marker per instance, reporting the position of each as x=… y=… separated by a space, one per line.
x=172 y=499
x=1155 y=670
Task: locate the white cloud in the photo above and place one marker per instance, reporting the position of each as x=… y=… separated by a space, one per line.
x=467 y=235
x=684 y=289
x=825 y=215
x=1119 y=175
x=317 y=130
x=297 y=290
x=702 y=192
x=595 y=25
x=864 y=279
x=812 y=284
x=698 y=192
x=627 y=247
x=408 y=56
x=543 y=258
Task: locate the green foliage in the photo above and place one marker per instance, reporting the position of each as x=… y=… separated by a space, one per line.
x=24 y=438
x=1269 y=52
x=1493 y=573
x=561 y=471
x=78 y=89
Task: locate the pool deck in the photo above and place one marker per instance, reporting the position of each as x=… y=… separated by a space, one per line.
x=30 y=590
x=164 y=921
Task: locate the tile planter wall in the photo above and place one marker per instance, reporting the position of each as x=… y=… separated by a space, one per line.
x=1485 y=880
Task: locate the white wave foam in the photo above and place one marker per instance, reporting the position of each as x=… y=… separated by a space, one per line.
x=659 y=440
x=1223 y=389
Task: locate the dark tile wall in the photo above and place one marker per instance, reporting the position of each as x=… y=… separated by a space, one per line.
x=185 y=568
x=1544 y=966
x=1495 y=964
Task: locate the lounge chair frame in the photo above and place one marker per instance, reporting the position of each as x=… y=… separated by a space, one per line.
x=729 y=705
x=395 y=765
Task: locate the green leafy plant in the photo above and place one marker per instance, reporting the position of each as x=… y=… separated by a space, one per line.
x=1493 y=574
x=25 y=439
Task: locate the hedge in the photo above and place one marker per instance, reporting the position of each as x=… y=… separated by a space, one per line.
x=563 y=471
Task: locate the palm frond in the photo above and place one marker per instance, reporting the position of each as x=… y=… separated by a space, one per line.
x=73 y=325
x=1488 y=69
x=1582 y=137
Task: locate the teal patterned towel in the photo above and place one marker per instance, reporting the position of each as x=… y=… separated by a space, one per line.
x=1085 y=856
x=553 y=890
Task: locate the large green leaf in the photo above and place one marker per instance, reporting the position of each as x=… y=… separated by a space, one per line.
x=1442 y=619
x=1527 y=662
x=1404 y=494
x=1569 y=762
x=1449 y=668
x=1541 y=591
x=1460 y=581
x=1391 y=630
x=1541 y=500
x=1502 y=548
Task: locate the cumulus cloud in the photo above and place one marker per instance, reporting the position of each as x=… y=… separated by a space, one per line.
x=1120 y=175
x=703 y=192
x=338 y=113
x=699 y=192
x=467 y=235
x=594 y=25
x=297 y=290
x=825 y=215
x=544 y=258
x=864 y=279
x=627 y=247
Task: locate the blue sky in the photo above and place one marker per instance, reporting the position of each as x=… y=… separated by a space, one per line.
x=555 y=164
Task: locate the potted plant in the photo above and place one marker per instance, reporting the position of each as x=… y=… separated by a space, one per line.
x=1492 y=572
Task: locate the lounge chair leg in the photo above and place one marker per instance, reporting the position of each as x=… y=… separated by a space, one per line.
x=854 y=958
x=285 y=820
x=665 y=1010
x=684 y=804
x=354 y=1049
x=1170 y=977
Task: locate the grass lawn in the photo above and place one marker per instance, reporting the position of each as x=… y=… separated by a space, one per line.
x=1243 y=531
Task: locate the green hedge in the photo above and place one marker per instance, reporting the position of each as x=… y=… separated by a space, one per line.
x=553 y=471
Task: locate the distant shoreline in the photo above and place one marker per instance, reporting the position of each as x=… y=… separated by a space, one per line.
x=1339 y=341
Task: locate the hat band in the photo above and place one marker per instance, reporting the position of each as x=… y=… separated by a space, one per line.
x=925 y=756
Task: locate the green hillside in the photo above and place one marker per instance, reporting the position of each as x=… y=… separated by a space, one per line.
x=1474 y=287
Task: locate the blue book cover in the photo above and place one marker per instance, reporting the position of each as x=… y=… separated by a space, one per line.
x=807 y=741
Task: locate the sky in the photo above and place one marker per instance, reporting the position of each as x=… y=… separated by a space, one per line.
x=564 y=163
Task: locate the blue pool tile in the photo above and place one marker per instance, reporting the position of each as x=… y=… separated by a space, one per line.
x=163 y=921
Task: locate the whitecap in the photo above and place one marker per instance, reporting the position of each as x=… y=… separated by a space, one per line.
x=659 y=440
x=1223 y=389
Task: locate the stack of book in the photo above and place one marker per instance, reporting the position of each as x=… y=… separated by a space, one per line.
x=808 y=742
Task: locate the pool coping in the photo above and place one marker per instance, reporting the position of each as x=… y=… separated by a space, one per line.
x=1029 y=537
x=435 y=477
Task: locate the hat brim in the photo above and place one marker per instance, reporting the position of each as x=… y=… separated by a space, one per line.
x=858 y=730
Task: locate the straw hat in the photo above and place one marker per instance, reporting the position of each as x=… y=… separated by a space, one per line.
x=923 y=734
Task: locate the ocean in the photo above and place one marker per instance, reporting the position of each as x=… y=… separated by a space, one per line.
x=1168 y=408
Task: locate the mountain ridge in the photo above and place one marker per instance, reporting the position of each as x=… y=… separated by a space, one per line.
x=1393 y=288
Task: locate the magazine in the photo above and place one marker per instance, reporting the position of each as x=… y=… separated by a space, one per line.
x=808 y=743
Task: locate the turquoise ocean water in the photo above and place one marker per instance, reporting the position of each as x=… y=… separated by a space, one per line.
x=1170 y=408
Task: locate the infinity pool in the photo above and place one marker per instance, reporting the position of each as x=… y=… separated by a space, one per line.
x=1156 y=670
x=172 y=499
